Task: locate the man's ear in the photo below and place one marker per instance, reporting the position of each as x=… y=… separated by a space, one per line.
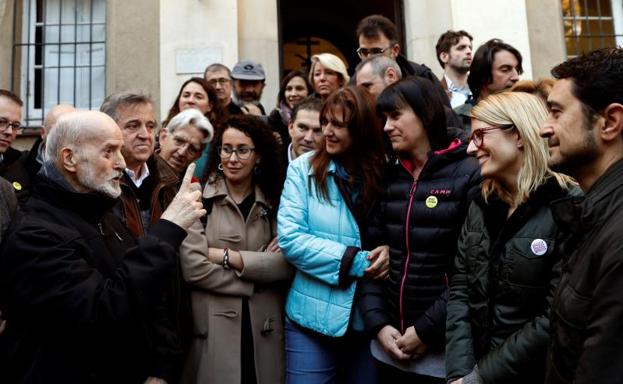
x=390 y=76
x=444 y=57
x=68 y=159
x=395 y=50
x=613 y=122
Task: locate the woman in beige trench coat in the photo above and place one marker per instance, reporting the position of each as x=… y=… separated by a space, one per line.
x=234 y=266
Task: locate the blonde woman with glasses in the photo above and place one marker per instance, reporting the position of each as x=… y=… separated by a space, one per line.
x=506 y=269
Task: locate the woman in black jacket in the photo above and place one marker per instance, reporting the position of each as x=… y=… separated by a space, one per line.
x=506 y=269
x=430 y=182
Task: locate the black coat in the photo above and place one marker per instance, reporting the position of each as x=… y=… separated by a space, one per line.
x=430 y=212
x=587 y=312
x=506 y=272
x=82 y=298
x=14 y=169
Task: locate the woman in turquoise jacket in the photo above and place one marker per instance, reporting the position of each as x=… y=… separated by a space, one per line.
x=325 y=201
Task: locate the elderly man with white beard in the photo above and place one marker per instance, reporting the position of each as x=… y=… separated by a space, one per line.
x=82 y=298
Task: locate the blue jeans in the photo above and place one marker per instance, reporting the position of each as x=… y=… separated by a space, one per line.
x=313 y=358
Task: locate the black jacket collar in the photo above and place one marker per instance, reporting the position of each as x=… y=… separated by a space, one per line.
x=90 y=206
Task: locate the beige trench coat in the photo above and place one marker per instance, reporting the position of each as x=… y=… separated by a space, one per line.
x=217 y=293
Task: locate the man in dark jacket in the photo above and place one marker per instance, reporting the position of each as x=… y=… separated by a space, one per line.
x=10 y=166
x=149 y=183
x=377 y=35
x=585 y=133
x=33 y=159
x=82 y=298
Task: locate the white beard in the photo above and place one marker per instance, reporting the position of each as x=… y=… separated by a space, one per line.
x=108 y=188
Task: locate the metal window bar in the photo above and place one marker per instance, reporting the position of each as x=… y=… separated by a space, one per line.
x=31 y=51
x=591 y=31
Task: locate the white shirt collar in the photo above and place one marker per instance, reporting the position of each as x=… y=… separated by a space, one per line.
x=144 y=174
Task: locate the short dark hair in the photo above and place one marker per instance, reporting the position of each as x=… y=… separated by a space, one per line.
x=449 y=39
x=597 y=78
x=482 y=63
x=309 y=103
x=12 y=96
x=372 y=26
x=421 y=95
x=281 y=97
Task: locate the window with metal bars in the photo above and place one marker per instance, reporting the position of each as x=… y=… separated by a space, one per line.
x=59 y=55
x=592 y=24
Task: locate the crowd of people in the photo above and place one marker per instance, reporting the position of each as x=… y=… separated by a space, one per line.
x=378 y=226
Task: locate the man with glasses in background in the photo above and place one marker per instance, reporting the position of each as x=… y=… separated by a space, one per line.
x=377 y=35
x=10 y=166
x=219 y=76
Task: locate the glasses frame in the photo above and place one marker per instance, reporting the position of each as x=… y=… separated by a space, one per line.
x=236 y=151
x=221 y=81
x=478 y=136
x=6 y=123
x=360 y=52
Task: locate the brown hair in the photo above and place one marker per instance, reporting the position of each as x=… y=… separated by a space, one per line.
x=366 y=151
x=216 y=114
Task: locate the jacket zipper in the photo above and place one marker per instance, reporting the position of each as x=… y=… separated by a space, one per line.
x=407 y=259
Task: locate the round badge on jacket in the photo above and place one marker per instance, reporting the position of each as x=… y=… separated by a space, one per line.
x=538 y=247
x=17 y=186
x=431 y=201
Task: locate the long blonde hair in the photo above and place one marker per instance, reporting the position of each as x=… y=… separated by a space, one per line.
x=526 y=113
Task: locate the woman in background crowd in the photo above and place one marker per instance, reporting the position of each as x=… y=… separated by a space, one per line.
x=294 y=88
x=506 y=269
x=197 y=93
x=236 y=271
x=430 y=184
x=327 y=74
x=324 y=207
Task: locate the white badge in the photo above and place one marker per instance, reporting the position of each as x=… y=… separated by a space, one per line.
x=539 y=247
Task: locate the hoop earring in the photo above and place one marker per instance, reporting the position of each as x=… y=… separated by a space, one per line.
x=220 y=167
x=256 y=171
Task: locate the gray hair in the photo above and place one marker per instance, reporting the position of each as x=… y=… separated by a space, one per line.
x=192 y=117
x=379 y=64
x=112 y=102
x=69 y=131
x=217 y=67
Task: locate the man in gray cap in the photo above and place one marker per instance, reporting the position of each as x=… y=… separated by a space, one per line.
x=249 y=81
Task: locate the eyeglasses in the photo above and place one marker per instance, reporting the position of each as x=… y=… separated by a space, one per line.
x=6 y=124
x=478 y=135
x=365 y=52
x=220 y=80
x=186 y=145
x=243 y=153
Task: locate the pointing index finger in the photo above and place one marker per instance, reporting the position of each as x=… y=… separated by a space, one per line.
x=188 y=177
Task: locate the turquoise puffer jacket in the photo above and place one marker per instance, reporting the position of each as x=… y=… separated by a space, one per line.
x=322 y=241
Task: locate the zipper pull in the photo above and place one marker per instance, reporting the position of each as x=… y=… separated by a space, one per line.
x=412 y=190
x=101 y=229
x=118 y=236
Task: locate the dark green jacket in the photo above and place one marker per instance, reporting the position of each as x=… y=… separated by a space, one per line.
x=500 y=293
x=587 y=313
